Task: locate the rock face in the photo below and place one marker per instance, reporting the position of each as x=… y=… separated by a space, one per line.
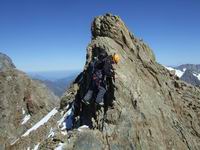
x=22 y=102
x=5 y=62
x=146 y=106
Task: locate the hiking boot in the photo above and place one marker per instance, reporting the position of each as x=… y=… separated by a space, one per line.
x=101 y=104
x=85 y=101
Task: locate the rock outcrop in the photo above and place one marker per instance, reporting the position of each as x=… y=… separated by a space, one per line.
x=22 y=102
x=5 y=62
x=150 y=109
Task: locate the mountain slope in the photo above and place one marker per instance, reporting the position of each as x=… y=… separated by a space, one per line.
x=22 y=102
x=56 y=81
x=59 y=86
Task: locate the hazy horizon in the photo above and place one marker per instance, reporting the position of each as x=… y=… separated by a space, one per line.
x=53 y=75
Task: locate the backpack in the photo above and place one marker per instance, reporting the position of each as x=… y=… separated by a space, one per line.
x=108 y=68
x=97 y=77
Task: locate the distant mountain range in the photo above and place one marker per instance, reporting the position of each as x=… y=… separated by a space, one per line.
x=52 y=75
x=189 y=73
x=194 y=68
x=56 y=81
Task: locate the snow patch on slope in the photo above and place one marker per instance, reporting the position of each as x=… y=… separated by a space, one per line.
x=36 y=146
x=14 y=141
x=41 y=122
x=66 y=121
x=23 y=111
x=26 y=118
x=51 y=133
x=60 y=146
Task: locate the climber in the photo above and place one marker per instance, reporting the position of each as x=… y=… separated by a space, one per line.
x=101 y=70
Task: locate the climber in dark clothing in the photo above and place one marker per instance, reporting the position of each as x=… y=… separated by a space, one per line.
x=101 y=70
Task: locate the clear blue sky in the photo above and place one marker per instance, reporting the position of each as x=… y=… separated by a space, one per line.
x=53 y=34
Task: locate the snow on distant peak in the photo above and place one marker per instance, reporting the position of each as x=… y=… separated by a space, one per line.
x=41 y=122
x=197 y=75
x=179 y=73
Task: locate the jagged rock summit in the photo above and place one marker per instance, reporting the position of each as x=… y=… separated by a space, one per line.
x=151 y=108
x=5 y=62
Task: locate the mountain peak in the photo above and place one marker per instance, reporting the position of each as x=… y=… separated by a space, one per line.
x=5 y=62
x=111 y=29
